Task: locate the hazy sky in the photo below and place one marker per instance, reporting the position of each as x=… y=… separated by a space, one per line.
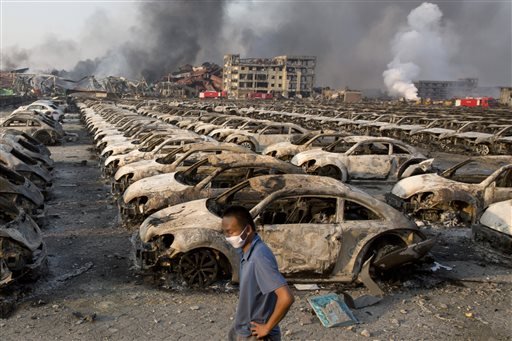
x=26 y=23
x=352 y=39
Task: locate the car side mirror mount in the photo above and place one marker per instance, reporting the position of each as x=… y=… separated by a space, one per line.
x=257 y=221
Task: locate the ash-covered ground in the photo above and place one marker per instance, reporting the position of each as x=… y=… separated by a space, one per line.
x=91 y=292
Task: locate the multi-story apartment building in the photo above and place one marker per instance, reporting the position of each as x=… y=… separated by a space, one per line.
x=439 y=90
x=286 y=76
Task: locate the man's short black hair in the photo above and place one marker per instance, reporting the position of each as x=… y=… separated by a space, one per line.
x=241 y=214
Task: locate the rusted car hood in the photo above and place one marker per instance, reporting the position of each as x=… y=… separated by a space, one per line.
x=498 y=216
x=307 y=155
x=280 y=147
x=119 y=148
x=436 y=131
x=136 y=166
x=426 y=182
x=153 y=185
x=473 y=135
x=131 y=156
x=180 y=216
x=402 y=127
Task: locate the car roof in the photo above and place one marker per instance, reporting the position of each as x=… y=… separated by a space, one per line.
x=322 y=184
x=213 y=145
x=251 y=159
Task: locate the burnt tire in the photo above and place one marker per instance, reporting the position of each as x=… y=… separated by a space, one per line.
x=199 y=268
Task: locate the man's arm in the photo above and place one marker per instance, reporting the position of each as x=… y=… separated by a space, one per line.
x=284 y=301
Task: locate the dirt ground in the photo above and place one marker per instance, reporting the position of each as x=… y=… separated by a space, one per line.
x=91 y=292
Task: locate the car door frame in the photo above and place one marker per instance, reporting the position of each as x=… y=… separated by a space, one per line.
x=334 y=242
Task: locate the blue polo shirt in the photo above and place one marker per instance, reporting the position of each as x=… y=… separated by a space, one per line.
x=259 y=278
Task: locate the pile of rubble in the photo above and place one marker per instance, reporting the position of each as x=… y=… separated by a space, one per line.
x=190 y=80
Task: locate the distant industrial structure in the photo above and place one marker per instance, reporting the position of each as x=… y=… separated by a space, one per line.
x=441 y=90
x=506 y=96
x=286 y=76
x=343 y=95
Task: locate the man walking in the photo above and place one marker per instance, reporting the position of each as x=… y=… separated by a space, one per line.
x=264 y=294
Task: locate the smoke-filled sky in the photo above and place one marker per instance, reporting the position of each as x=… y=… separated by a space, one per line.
x=353 y=40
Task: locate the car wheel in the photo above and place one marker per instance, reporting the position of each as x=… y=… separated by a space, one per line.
x=329 y=171
x=381 y=248
x=483 y=149
x=248 y=145
x=43 y=137
x=199 y=268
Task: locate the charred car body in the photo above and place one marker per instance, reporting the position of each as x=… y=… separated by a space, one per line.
x=463 y=195
x=359 y=158
x=206 y=178
x=319 y=229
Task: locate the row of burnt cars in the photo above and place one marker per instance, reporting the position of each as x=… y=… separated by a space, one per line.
x=25 y=181
x=473 y=132
x=26 y=170
x=175 y=167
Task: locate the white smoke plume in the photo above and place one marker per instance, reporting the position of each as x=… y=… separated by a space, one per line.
x=423 y=48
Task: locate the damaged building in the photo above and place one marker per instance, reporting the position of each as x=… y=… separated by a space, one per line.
x=286 y=76
x=440 y=90
x=506 y=96
x=189 y=80
x=345 y=95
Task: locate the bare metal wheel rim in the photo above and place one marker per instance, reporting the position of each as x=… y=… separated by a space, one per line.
x=247 y=144
x=199 y=268
x=482 y=149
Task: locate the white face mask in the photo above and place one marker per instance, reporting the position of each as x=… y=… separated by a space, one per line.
x=237 y=241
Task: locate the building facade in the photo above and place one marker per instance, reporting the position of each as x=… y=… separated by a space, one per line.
x=506 y=96
x=441 y=90
x=287 y=76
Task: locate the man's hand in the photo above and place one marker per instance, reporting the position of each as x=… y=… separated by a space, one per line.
x=259 y=330
x=284 y=301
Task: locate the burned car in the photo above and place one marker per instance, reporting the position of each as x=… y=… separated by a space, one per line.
x=29 y=147
x=318 y=228
x=266 y=135
x=184 y=156
x=459 y=192
x=361 y=158
x=495 y=227
x=499 y=143
x=314 y=140
x=21 y=244
x=464 y=138
x=20 y=192
x=25 y=166
x=39 y=128
x=205 y=178
x=148 y=152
